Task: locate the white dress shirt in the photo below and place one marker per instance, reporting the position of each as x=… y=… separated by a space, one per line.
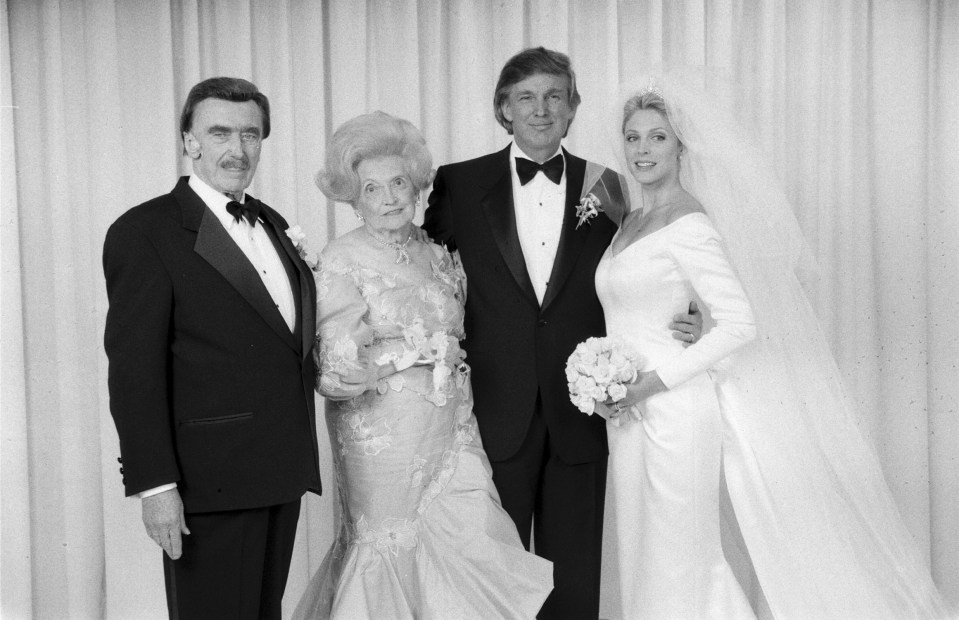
x=538 y=208
x=255 y=244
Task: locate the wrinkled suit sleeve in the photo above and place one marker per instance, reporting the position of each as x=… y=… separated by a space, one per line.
x=137 y=342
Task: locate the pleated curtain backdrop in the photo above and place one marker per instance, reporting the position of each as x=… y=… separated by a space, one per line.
x=857 y=102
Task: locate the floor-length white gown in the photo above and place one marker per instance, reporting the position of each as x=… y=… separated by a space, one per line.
x=665 y=468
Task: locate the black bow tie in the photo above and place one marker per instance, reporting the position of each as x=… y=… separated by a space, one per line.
x=526 y=169
x=249 y=209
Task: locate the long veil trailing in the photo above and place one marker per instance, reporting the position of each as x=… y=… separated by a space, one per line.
x=819 y=522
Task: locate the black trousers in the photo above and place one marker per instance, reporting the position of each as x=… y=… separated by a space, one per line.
x=563 y=506
x=234 y=564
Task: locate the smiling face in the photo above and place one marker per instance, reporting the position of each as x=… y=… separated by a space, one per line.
x=539 y=109
x=387 y=200
x=224 y=142
x=652 y=148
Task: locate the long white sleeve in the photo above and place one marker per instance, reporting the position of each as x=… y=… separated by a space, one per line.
x=699 y=253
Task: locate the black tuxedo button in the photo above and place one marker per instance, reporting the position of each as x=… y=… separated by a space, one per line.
x=121 y=470
x=119 y=459
x=542 y=323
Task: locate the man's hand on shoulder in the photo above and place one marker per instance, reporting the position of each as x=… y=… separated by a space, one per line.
x=688 y=327
x=165 y=521
x=420 y=235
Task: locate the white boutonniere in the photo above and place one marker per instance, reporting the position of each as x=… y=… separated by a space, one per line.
x=588 y=208
x=298 y=237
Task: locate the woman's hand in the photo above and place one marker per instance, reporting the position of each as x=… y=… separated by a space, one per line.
x=607 y=411
x=365 y=379
x=616 y=411
x=646 y=384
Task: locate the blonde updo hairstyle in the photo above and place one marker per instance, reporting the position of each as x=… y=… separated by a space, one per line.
x=647 y=100
x=371 y=136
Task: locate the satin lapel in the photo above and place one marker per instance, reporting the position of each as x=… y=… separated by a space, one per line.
x=214 y=244
x=308 y=303
x=571 y=240
x=307 y=285
x=498 y=206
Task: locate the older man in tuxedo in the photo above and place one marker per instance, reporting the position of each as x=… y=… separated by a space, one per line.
x=511 y=215
x=209 y=336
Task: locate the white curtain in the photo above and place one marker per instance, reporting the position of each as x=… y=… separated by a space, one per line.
x=857 y=102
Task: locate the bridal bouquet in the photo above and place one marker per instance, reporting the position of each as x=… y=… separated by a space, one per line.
x=599 y=369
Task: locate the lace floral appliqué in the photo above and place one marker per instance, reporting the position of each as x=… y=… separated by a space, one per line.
x=371 y=439
x=395 y=534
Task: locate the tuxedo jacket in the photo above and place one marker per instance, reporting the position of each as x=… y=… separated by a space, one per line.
x=209 y=388
x=516 y=347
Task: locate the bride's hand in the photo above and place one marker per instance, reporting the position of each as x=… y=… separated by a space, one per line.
x=616 y=412
x=607 y=411
x=647 y=384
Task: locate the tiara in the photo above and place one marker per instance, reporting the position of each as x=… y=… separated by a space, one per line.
x=652 y=88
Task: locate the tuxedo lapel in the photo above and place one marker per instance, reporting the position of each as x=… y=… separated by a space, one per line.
x=498 y=206
x=306 y=305
x=571 y=240
x=214 y=244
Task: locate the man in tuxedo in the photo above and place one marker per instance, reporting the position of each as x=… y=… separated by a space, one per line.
x=530 y=301
x=209 y=336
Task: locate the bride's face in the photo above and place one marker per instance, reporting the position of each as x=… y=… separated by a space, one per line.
x=652 y=148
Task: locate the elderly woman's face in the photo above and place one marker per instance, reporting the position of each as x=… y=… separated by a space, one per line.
x=387 y=199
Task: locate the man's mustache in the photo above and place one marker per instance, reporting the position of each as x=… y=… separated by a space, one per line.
x=241 y=163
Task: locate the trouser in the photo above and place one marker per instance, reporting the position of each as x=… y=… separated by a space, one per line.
x=562 y=505
x=234 y=564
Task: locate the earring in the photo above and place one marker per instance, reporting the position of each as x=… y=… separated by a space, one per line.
x=358 y=216
x=419 y=202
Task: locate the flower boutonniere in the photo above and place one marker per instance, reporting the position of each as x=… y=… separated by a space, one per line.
x=298 y=237
x=588 y=208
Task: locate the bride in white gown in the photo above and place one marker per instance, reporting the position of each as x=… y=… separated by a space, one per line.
x=758 y=396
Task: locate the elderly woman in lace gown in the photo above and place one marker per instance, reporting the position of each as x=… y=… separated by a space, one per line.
x=422 y=533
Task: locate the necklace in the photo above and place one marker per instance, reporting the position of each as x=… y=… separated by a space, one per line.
x=402 y=254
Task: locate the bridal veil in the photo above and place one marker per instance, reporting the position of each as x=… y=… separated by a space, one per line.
x=820 y=525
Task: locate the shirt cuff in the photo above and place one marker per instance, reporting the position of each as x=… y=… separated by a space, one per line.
x=156 y=490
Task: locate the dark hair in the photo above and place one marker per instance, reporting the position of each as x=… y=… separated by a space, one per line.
x=532 y=61
x=371 y=136
x=228 y=89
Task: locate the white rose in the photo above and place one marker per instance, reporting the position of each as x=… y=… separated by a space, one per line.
x=602 y=372
x=584 y=385
x=582 y=403
x=616 y=391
